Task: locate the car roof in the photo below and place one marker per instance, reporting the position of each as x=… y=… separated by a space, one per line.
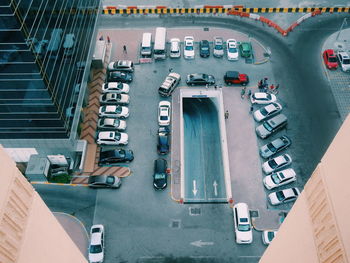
x=160 y=165
x=106 y=135
x=232 y=74
x=110 y=153
x=287 y=172
x=97 y=179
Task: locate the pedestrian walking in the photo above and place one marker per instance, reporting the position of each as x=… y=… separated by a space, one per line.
x=108 y=40
x=243 y=92
x=251 y=109
x=216 y=87
x=249 y=93
x=170 y=70
x=101 y=38
x=226 y=114
x=124 y=49
x=260 y=84
x=272 y=87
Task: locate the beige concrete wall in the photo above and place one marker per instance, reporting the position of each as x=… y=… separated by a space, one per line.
x=317 y=228
x=29 y=232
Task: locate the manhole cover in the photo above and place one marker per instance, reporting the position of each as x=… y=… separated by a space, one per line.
x=195 y=211
x=254 y=213
x=175 y=223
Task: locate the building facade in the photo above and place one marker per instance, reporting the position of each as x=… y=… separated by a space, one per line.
x=317 y=228
x=44 y=46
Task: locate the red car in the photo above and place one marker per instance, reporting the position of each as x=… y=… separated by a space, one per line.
x=234 y=77
x=329 y=58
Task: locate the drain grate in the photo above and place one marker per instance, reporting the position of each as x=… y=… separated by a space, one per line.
x=254 y=213
x=195 y=211
x=175 y=224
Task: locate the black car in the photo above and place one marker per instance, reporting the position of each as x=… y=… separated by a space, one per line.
x=204 y=48
x=117 y=76
x=160 y=175
x=115 y=156
x=163 y=140
x=200 y=79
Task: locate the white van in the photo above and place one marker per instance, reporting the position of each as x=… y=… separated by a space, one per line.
x=68 y=44
x=146 y=45
x=159 y=43
x=243 y=227
x=175 y=48
x=55 y=40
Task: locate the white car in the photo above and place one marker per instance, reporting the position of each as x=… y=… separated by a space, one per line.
x=114 y=111
x=243 y=227
x=96 y=247
x=344 y=60
x=175 y=48
x=116 y=87
x=111 y=124
x=267 y=111
x=114 y=98
x=268 y=236
x=280 y=178
x=121 y=65
x=112 y=138
x=189 y=47
x=232 y=50
x=164 y=112
x=284 y=196
x=262 y=98
x=276 y=163
x=218 y=47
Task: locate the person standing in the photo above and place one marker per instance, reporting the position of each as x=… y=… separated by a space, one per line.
x=108 y=40
x=226 y=114
x=243 y=92
x=124 y=50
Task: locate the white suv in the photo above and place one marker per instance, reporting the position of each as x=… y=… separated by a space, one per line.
x=344 y=60
x=243 y=227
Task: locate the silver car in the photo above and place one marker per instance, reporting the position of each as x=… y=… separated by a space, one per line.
x=218 y=47
x=267 y=111
x=111 y=124
x=271 y=126
x=275 y=146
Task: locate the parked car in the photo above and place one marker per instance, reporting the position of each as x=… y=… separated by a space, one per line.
x=344 y=60
x=243 y=227
x=268 y=111
x=163 y=140
x=204 y=48
x=232 y=51
x=280 y=178
x=114 y=98
x=175 y=48
x=268 y=236
x=115 y=156
x=104 y=181
x=160 y=176
x=218 y=47
x=117 y=76
x=277 y=163
x=245 y=48
x=169 y=84
x=114 y=111
x=189 y=47
x=275 y=146
x=111 y=124
x=112 y=138
x=96 y=247
x=234 y=77
x=200 y=79
x=284 y=196
x=262 y=98
x=164 y=112
x=330 y=59
x=271 y=126
x=116 y=87
x=121 y=65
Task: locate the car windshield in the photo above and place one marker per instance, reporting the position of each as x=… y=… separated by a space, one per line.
x=117 y=136
x=205 y=48
x=332 y=59
x=346 y=61
x=116 y=123
x=264 y=112
x=189 y=48
x=118 y=110
x=270 y=235
x=218 y=47
x=95 y=249
x=275 y=178
x=272 y=163
x=267 y=126
x=244 y=227
x=232 y=50
x=120 y=86
x=271 y=147
x=110 y=180
x=159 y=176
x=280 y=195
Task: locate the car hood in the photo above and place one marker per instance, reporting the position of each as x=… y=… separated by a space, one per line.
x=125 y=111
x=122 y=125
x=258 y=116
x=159 y=183
x=245 y=236
x=129 y=155
x=97 y=257
x=265 y=152
x=273 y=198
x=124 y=137
x=268 y=182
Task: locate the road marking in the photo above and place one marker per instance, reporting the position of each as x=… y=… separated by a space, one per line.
x=215 y=184
x=200 y=243
x=194 y=188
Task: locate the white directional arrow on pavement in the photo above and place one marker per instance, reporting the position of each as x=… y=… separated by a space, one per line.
x=215 y=184
x=200 y=243
x=194 y=188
